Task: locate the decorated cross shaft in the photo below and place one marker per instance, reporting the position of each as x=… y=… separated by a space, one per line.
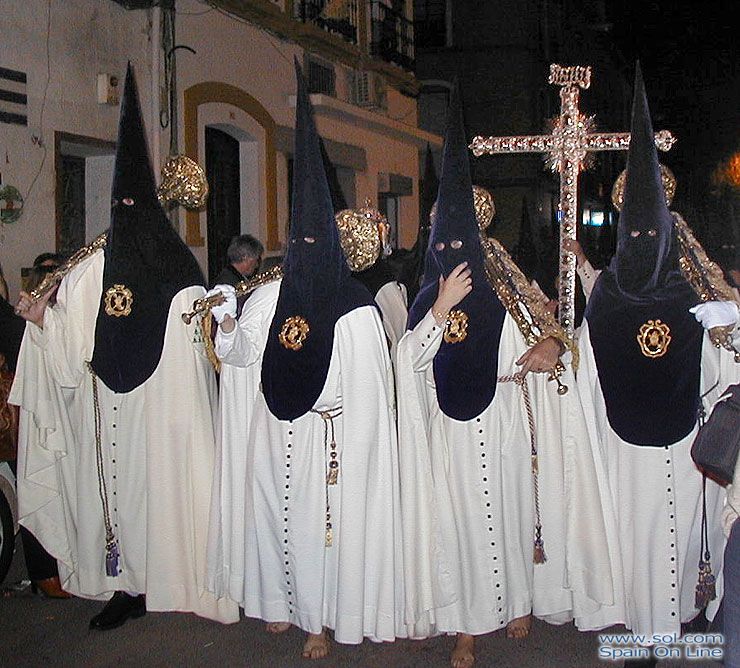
x=568 y=150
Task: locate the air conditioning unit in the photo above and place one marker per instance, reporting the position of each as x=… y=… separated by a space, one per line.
x=368 y=90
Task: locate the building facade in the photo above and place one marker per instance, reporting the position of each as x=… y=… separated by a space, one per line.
x=216 y=83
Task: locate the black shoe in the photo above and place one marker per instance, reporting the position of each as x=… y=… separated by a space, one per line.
x=118 y=610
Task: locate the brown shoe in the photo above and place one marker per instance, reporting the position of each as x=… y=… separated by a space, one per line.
x=49 y=588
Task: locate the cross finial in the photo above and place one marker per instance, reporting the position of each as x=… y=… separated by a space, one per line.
x=577 y=75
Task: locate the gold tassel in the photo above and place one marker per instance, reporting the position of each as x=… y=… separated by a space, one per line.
x=539 y=547
x=207 y=324
x=705 y=588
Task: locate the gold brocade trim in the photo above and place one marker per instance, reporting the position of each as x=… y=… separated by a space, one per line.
x=242 y=289
x=523 y=302
x=706 y=278
x=51 y=279
x=184 y=182
x=361 y=235
x=206 y=324
x=654 y=338
x=294 y=332
x=456 y=327
x=118 y=300
x=703 y=275
x=485 y=209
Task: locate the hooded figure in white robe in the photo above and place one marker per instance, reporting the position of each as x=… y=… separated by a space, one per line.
x=646 y=369
x=117 y=403
x=482 y=500
x=305 y=519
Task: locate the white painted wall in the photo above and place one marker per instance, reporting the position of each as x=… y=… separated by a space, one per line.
x=262 y=65
x=252 y=202
x=85 y=37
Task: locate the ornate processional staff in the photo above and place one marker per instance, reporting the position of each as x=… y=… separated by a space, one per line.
x=568 y=148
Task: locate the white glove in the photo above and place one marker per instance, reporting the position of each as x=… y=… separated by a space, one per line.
x=716 y=314
x=229 y=304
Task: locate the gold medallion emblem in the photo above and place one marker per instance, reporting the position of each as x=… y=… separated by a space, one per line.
x=118 y=300
x=654 y=338
x=294 y=332
x=457 y=326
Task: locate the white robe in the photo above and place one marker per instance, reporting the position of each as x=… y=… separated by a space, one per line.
x=267 y=548
x=391 y=300
x=658 y=500
x=468 y=502
x=158 y=451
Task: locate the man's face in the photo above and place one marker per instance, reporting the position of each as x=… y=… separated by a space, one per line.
x=247 y=266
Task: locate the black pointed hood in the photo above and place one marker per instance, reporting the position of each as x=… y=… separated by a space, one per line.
x=316 y=286
x=645 y=228
x=144 y=255
x=413 y=269
x=646 y=344
x=465 y=372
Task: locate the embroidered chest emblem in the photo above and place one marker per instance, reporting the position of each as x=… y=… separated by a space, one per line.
x=118 y=300
x=456 y=328
x=654 y=338
x=294 y=332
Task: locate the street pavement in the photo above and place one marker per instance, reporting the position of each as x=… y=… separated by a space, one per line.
x=44 y=633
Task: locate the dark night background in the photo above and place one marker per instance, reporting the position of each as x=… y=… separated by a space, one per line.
x=499 y=53
x=690 y=55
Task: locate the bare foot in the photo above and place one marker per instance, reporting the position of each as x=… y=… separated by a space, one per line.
x=519 y=627
x=463 y=656
x=317 y=646
x=277 y=627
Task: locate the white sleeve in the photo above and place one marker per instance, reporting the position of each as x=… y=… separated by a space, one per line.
x=424 y=342
x=588 y=276
x=243 y=346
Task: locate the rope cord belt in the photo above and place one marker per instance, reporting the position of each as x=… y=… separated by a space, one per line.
x=331 y=457
x=539 y=556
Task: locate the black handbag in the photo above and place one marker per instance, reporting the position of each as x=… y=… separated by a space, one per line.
x=716 y=446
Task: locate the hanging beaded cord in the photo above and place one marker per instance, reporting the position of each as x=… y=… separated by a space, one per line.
x=539 y=556
x=705 y=590
x=330 y=453
x=111 y=545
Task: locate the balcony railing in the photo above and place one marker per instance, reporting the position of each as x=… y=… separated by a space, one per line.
x=391 y=35
x=340 y=17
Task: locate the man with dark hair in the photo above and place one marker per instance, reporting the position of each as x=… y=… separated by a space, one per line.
x=47 y=261
x=245 y=256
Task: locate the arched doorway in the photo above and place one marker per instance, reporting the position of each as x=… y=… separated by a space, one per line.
x=262 y=162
